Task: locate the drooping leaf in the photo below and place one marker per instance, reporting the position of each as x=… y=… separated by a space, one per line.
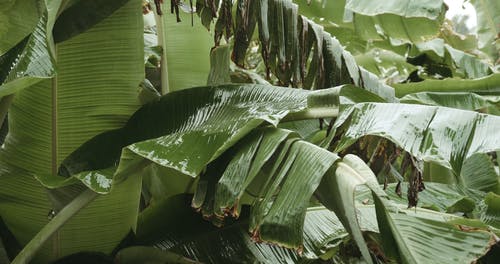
x=138 y=254
x=490 y=213
x=386 y=64
x=197 y=239
x=438 y=134
x=287 y=42
x=459 y=100
x=401 y=22
x=278 y=212
x=219 y=66
x=201 y=124
x=479 y=173
x=414 y=238
x=437 y=196
x=337 y=190
x=488 y=25
x=489 y=85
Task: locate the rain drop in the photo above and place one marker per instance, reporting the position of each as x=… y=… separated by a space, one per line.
x=51 y=214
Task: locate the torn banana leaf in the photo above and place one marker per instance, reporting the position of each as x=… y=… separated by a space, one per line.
x=189 y=235
x=438 y=134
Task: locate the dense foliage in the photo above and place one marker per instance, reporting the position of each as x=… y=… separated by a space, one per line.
x=314 y=131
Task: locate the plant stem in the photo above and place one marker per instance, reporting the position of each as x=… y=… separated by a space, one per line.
x=55 y=224
x=161 y=34
x=312 y=113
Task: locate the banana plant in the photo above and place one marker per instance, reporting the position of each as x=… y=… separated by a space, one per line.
x=97 y=177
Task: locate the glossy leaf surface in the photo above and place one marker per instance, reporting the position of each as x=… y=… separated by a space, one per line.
x=442 y=135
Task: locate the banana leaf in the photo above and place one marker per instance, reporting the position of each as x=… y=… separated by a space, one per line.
x=34 y=61
x=337 y=191
x=437 y=196
x=415 y=238
x=489 y=85
x=185 y=130
x=187 y=234
x=95 y=90
x=386 y=64
x=299 y=52
x=488 y=26
x=459 y=100
x=462 y=63
x=400 y=21
x=18 y=19
x=442 y=135
x=186 y=50
x=81 y=16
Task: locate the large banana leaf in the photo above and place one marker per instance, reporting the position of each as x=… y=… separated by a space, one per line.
x=438 y=134
x=437 y=196
x=189 y=235
x=400 y=21
x=95 y=90
x=387 y=65
x=489 y=85
x=196 y=133
x=419 y=239
x=460 y=100
x=488 y=26
x=337 y=191
x=186 y=50
x=79 y=16
x=17 y=20
x=185 y=130
x=461 y=63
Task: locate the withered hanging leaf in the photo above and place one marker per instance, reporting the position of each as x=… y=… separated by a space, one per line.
x=224 y=25
x=245 y=26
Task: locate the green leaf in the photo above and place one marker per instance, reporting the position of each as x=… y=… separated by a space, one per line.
x=479 y=173
x=201 y=124
x=387 y=65
x=138 y=254
x=438 y=134
x=427 y=8
x=490 y=213
x=421 y=240
x=437 y=196
x=187 y=234
x=488 y=25
x=277 y=216
x=461 y=63
x=336 y=192
x=186 y=50
x=219 y=65
x=95 y=90
x=459 y=100
x=18 y=19
x=35 y=62
x=401 y=22
x=489 y=85
x=82 y=15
